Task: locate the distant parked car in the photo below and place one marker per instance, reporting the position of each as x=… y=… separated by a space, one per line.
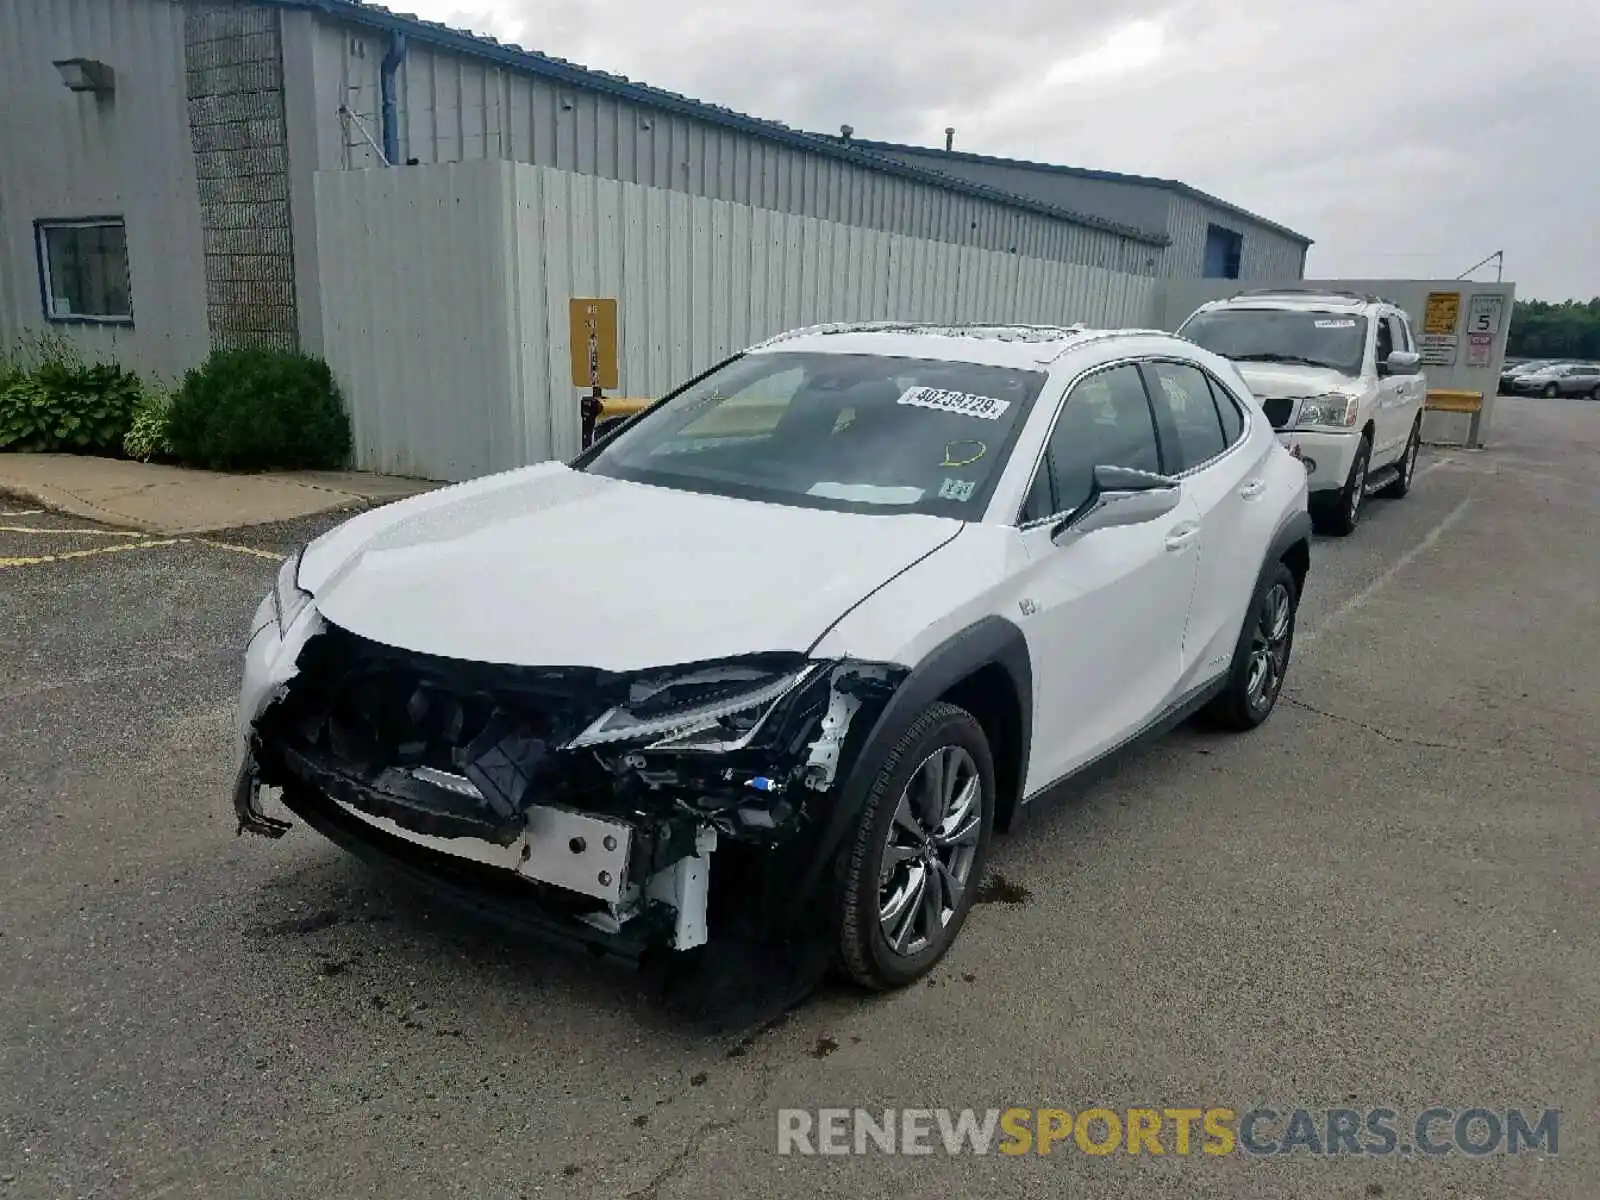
x=1561 y=379
x=1519 y=366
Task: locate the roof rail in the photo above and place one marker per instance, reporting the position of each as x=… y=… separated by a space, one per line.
x=1294 y=291
x=997 y=330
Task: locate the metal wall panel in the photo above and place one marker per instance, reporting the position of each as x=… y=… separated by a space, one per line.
x=455 y=108
x=445 y=297
x=1266 y=255
x=66 y=154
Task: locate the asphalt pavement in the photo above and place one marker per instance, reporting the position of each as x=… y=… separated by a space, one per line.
x=1386 y=897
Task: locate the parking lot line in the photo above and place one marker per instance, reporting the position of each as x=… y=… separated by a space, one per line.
x=66 y=554
x=1394 y=568
x=124 y=533
x=251 y=550
x=22 y=512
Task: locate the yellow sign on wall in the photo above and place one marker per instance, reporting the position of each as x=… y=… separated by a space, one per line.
x=592 y=332
x=1442 y=313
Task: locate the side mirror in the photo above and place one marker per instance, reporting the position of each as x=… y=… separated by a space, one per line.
x=1401 y=362
x=1121 y=496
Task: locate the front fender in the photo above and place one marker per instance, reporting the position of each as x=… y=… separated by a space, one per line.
x=990 y=641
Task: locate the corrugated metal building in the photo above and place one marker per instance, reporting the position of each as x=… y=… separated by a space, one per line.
x=1206 y=237
x=157 y=162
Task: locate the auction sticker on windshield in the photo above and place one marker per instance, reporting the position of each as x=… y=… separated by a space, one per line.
x=1341 y=323
x=988 y=407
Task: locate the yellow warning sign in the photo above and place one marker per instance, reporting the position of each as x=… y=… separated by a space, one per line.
x=1443 y=311
x=592 y=332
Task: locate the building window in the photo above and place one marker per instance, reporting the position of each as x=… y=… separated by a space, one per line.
x=83 y=270
x=1224 y=249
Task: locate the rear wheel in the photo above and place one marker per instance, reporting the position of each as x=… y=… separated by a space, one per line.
x=1594 y=392
x=919 y=850
x=1408 y=465
x=1261 y=658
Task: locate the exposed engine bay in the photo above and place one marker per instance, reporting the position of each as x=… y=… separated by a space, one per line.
x=597 y=799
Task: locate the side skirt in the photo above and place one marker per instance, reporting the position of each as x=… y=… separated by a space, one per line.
x=1175 y=714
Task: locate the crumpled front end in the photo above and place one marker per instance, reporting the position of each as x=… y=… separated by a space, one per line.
x=626 y=810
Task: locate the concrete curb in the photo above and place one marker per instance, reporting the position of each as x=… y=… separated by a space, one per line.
x=61 y=500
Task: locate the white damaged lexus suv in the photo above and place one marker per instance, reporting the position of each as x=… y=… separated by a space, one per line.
x=783 y=650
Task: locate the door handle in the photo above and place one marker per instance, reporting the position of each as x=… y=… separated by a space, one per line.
x=1253 y=489
x=1181 y=535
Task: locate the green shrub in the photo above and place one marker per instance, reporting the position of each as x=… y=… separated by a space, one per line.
x=147 y=438
x=63 y=405
x=257 y=410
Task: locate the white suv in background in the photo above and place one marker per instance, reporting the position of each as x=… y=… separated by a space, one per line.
x=1339 y=377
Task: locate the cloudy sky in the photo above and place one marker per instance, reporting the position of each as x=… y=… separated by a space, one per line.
x=1410 y=138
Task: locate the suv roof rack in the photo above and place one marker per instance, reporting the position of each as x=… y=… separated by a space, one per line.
x=1330 y=293
x=1318 y=293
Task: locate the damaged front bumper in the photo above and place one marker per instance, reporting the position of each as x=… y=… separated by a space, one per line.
x=571 y=801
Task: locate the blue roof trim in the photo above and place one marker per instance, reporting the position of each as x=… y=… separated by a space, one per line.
x=561 y=70
x=1171 y=185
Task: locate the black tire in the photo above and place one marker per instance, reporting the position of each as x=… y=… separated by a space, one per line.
x=1340 y=513
x=864 y=950
x=1243 y=703
x=1550 y=391
x=1594 y=392
x=1401 y=487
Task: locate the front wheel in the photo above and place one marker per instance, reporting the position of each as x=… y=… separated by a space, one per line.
x=919 y=850
x=1261 y=658
x=1340 y=513
x=1594 y=392
x=1408 y=465
x=1550 y=391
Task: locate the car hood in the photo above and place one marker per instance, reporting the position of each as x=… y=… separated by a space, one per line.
x=547 y=566
x=1272 y=380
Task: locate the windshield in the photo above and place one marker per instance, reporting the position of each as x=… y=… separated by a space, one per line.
x=850 y=432
x=1315 y=339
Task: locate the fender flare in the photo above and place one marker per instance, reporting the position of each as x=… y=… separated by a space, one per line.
x=1296 y=527
x=990 y=641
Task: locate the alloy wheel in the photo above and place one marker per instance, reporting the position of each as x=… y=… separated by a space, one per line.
x=1358 y=488
x=932 y=844
x=1269 y=646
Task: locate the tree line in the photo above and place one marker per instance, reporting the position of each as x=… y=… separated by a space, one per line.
x=1540 y=329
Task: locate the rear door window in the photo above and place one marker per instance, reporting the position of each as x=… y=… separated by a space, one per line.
x=1184 y=392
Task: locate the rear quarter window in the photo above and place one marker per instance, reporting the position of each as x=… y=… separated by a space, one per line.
x=1228 y=410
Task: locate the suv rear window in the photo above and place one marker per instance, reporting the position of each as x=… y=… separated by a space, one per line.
x=1300 y=336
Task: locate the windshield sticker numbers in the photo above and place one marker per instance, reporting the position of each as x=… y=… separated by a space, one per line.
x=1341 y=323
x=987 y=407
x=957 y=489
x=963 y=453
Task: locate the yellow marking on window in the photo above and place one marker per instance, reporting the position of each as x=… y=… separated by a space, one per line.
x=66 y=554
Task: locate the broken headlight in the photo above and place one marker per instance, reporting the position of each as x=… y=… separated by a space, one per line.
x=710 y=708
x=288 y=599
